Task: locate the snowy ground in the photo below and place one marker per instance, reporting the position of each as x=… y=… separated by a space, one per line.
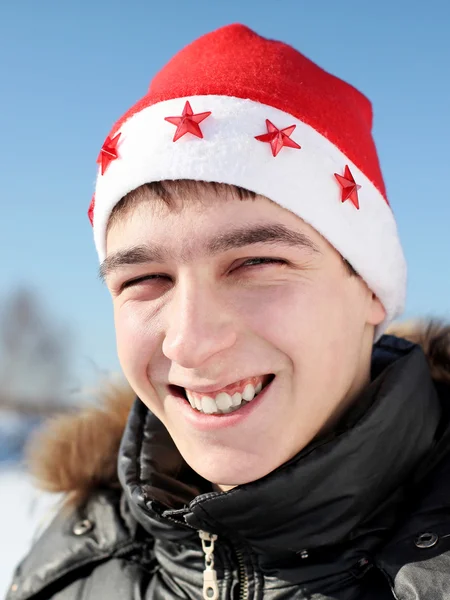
x=24 y=511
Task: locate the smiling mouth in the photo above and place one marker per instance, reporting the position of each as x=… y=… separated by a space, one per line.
x=222 y=403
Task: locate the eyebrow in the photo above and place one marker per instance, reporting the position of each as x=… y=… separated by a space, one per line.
x=269 y=234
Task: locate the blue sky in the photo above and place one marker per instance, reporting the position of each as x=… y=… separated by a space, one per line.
x=69 y=69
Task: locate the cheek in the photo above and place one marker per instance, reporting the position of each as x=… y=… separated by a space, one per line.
x=329 y=342
x=288 y=315
x=316 y=326
x=137 y=340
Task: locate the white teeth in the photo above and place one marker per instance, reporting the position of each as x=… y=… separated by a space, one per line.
x=208 y=405
x=224 y=401
x=248 y=393
x=236 y=399
x=191 y=399
x=194 y=401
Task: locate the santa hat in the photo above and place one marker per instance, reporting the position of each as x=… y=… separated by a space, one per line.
x=236 y=108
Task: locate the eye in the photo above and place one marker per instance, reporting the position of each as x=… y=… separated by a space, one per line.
x=262 y=260
x=251 y=262
x=138 y=280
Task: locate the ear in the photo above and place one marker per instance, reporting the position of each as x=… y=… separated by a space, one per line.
x=376 y=312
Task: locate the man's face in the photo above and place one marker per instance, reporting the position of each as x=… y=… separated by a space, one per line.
x=206 y=315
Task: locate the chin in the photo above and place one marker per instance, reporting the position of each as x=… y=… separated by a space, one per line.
x=230 y=470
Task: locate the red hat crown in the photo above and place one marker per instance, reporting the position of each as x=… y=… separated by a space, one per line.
x=236 y=61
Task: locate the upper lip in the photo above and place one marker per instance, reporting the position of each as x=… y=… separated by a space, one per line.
x=216 y=387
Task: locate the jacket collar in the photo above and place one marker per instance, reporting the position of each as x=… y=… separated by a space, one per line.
x=349 y=486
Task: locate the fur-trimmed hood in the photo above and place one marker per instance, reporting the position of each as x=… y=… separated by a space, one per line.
x=77 y=453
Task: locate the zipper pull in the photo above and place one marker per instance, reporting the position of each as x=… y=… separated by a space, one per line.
x=210 y=586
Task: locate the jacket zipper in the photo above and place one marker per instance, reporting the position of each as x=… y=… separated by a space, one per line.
x=243 y=579
x=210 y=586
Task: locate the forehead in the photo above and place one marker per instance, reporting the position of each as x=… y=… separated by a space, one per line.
x=208 y=204
x=187 y=232
x=203 y=224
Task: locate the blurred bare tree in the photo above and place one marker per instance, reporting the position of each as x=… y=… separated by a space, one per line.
x=34 y=357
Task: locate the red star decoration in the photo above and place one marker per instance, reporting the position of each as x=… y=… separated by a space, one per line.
x=188 y=122
x=349 y=187
x=91 y=210
x=278 y=138
x=108 y=153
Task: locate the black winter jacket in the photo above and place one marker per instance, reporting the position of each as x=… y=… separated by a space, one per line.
x=362 y=514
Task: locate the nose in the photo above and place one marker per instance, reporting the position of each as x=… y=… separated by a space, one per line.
x=197 y=325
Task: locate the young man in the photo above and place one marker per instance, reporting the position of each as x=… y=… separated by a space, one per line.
x=280 y=446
